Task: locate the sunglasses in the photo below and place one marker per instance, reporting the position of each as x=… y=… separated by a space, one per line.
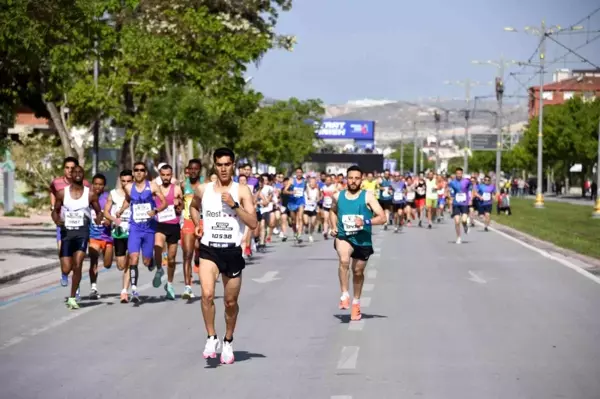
x=139 y=170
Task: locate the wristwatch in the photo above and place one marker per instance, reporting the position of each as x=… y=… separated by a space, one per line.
x=235 y=205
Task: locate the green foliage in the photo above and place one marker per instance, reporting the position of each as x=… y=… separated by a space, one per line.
x=409 y=157
x=38 y=160
x=278 y=134
x=570 y=135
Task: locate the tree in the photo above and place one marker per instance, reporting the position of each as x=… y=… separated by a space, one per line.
x=278 y=134
x=409 y=157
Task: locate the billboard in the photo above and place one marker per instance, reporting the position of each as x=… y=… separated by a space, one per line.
x=353 y=130
x=367 y=162
x=483 y=142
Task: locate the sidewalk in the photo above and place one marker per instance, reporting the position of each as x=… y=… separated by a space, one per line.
x=27 y=246
x=578 y=200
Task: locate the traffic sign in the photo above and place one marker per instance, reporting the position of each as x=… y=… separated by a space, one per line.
x=484 y=142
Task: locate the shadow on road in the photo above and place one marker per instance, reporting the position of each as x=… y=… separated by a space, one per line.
x=345 y=318
x=32 y=252
x=240 y=356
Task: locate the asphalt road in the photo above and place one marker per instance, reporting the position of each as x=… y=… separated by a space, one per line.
x=486 y=319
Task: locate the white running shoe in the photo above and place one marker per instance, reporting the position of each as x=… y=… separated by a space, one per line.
x=227 y=353
x=458 y=240
x=211 y=347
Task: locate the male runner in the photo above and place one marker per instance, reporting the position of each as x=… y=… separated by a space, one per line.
x=460 y=191
x=120 y=230
x=55 y=186
x=189 y=241
x=485 y=193
x=71 y=212
x=398 y=187
x=295 y=189
x=101 y=241
x=421 y=192
x=227 y=209
x=431 y=196
x=168 y=233
x=139 y=195
x=312 y=196
x=327 y=193
x=351 y=218
x=265 y=207
x=385 y=195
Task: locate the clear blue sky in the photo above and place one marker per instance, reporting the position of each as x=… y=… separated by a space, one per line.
x=405 y=50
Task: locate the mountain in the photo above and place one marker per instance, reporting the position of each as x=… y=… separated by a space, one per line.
x=395 y=118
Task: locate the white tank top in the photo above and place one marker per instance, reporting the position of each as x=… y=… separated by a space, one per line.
x=76 y=211
x=222 y=226
x=311 y=195
x=118 y=200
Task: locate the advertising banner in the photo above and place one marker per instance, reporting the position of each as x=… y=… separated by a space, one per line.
x=390 y=164
x=354 y=130
x=365 y=144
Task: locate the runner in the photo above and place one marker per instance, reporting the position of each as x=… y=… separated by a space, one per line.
x=71 y=212
x=398 y=186
x=421 y=192
x=189 y=241
x=139 y=196
x=295 y=189
x=55 y=186
x=265 y=208
x=385 y=196
x=168 y=234
x=312 y=196
x=431 y=196
x=327 y=192
x=460 y=191
x=101 y=241
x=442 y=194
x=351 y=219
x=120 y=230
x=486 y=192
x=410 y=209
x=227 y=209
x=284 y=224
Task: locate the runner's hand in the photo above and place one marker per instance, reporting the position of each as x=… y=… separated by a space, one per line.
x=105 y=222
x=199 y=231
x=98 y=220
x=152 y=213
x=228 y=199
x=118 y=221
x=333 y=232
x=359 y=222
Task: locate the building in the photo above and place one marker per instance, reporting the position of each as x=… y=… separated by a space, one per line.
x=566 y=85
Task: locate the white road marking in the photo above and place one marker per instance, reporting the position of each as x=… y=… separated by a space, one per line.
x=371 y=273
x=368 y=287
x=365 y=302
x=267 y=278
x=72 y=315
x=356 y=325
x=476 y=279
x=545 y=254
x=341 y=397
x=348 y=357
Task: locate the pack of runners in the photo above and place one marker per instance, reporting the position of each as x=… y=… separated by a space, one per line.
x=221 y=223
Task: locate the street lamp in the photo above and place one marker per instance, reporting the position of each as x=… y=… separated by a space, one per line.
x=542 y=32
x=500 y=65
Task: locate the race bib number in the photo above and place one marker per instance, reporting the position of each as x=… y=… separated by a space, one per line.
x=461 y=197
x=93 y=213
x=487 y=196
x=167 y=214
x=349 y=222
x=421 y=191
x=74 y=220
x=327 y=202
x=440 y=192
x=385 y=192
x=398 y=196
x=140 y=212
x=310 y=206
x=222 y=232
x=266 y=209
x=410 y=196
x=298 y=192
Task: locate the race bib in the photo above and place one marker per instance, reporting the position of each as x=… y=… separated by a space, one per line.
x=487 y=196
x=140 y=212
x=385 y=192
x=298 y=192
x=74 y=219
x=310 y=206
x=410 y=196
x=433 y=190
x=441 y=192
x=266 y=209
x=399 y=196
x=93 y=213
x=349 y=222
x=421 y=191
x=167 y=214
x=327 y=202
x=461 y=197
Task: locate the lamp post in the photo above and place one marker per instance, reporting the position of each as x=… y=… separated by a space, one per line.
x=542 y=32
x=437 y=118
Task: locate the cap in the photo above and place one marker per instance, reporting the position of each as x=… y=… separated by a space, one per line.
x=160 y=165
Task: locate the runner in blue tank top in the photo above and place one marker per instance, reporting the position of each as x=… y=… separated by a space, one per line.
x=485 y=193
x=351 y=219
x=295 y=189
x=142 y=225
x=461 y=192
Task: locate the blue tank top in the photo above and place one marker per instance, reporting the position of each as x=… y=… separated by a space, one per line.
x=398 y=195
x=141 y=204
x=384 y=189
x=347 y=211
x=298 y=189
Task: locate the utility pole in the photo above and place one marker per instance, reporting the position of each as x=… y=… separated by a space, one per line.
x=542 y=32
x=415 y=148
x=421 y=154
x=596 y=213
x=437 y=118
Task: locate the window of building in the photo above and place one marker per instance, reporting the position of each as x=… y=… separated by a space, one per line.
x=548 y=95
x=567 y=95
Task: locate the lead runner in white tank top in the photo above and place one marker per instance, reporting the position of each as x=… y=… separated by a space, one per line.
x=222 y=226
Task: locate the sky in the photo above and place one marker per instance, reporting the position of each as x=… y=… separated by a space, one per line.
x=406 y=50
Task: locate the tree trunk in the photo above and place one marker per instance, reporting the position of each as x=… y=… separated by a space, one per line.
x=168 y=151
x=57 y=120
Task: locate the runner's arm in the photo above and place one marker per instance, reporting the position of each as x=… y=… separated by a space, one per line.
x=58 y=202
x=127 y=190
x=178 y=200
x=333 y=217
x=246 y=210
x=287 y=191
x=95 y=205
x=107 y=208
x=156 y=191
x=196 y=204
x=380 y=217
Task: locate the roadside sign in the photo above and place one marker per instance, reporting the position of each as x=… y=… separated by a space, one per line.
x=484 y=142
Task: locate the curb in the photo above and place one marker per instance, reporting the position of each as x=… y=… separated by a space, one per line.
x=594 y=264
x=12 y=277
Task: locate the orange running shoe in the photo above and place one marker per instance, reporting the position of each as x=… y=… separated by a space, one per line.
x=355 y=314
x=124 y=297
x=345 y=303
